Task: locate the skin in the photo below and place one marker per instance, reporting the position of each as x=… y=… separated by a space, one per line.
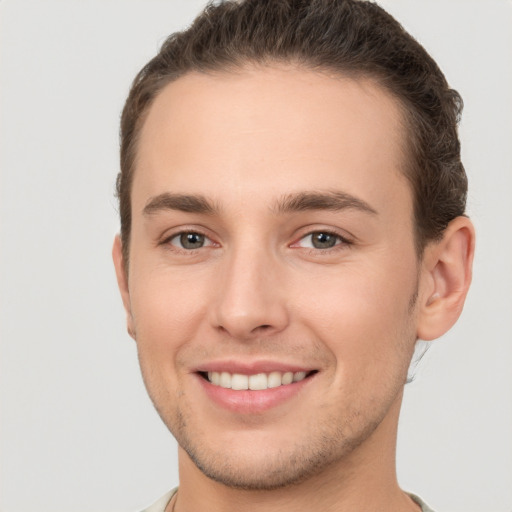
x=249 y=144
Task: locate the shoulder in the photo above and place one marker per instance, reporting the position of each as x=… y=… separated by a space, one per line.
x=420 y=502
x=161 y=503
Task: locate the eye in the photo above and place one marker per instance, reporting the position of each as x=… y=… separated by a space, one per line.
x=321 y=240
x=189 y=240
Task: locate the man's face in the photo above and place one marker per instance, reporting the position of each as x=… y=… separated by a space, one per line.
x=272 y=237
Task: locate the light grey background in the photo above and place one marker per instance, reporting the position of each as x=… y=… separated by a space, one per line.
x=78 y=433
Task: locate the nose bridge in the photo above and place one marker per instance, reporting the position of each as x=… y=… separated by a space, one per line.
x=250 y=297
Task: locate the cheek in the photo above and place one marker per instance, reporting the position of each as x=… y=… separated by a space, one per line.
x=167 y=312
x=363 y=314
x=168 y=308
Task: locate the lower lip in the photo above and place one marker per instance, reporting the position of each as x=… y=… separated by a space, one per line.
x=249 y=401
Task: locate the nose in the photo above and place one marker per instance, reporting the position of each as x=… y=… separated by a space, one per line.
x=250 y=301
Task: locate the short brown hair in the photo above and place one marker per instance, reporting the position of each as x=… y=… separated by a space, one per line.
x=352 y=37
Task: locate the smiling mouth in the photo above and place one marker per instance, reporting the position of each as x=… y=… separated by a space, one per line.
x=256 y=382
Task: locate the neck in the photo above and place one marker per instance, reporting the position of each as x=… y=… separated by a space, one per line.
x=364 y=480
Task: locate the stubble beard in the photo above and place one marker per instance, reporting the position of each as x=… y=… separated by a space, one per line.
x=278 y=470
x=321 y=446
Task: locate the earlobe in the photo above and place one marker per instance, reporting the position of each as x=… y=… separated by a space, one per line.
x=122 y=282
x=447 y=271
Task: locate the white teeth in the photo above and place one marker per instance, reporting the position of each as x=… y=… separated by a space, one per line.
x=255 y=382
x=258 y=381
x=287 y=378
x=225 y=380
x=274 y=379
x=239 y=381
x=298 y=376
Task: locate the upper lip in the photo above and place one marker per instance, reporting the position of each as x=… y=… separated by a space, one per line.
x=251 y=368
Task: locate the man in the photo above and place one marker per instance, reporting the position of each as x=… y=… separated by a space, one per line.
x=292 y=222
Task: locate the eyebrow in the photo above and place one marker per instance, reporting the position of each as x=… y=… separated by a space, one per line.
x=332 y=200
x=189 y=203
x=297 y=202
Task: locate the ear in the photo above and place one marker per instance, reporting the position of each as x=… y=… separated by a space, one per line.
x=122 y=282
x=446 y=276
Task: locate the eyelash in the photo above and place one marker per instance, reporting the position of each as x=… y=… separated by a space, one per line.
x=341 y=242
x=167 y=241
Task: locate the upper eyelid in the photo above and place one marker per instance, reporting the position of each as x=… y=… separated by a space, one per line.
x=345 y=237
x=177 y=248
x=169 y=234
x=340 y=238
x=343 y=243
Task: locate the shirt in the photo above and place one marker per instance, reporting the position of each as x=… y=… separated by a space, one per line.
x=159 y=505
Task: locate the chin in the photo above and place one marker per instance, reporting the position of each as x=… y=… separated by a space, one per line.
x=264 y=466
x=257 y=475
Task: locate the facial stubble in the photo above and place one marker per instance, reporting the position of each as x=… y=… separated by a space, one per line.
x=324 y=446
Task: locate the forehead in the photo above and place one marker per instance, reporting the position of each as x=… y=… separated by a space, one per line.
x=273 y=129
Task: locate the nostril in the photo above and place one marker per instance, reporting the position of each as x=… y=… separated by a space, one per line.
x=264 y=327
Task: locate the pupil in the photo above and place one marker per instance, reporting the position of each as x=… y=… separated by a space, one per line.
x=191 y=240
x=323 y=240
